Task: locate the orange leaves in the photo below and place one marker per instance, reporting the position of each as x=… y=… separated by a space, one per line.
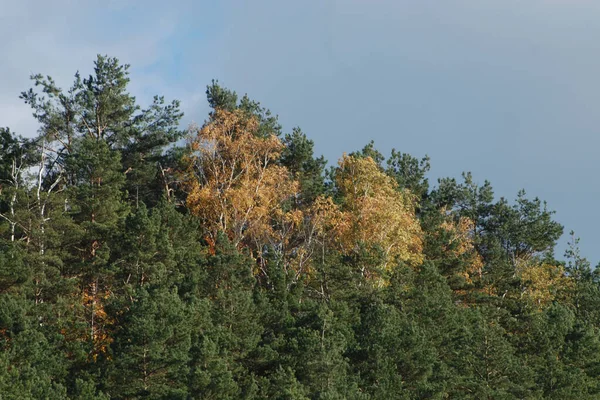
x=374 y=213
x=234 y=184
x=88 y=320
x=327 y=217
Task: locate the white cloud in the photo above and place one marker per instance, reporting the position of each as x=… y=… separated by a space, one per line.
x=61 y=37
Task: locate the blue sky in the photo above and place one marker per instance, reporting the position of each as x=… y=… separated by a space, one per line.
x=503 y=88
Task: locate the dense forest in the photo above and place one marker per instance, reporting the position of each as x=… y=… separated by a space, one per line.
x=227 y=261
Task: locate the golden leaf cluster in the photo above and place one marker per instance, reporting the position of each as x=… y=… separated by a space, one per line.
x=234 y=184
x=543 y=282
x=375 y=213
x=460 y=244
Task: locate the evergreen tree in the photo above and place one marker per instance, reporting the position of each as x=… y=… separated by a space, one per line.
x=151 y=347
x=228 y=331
x=132 y=267
x=298 y=158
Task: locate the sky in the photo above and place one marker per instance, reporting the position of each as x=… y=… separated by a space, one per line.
x=505 y=89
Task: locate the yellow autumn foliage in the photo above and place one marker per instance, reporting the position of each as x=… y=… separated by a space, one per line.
x=234 y=184
x=375 y=213
x=460 y=245
x=543 y=282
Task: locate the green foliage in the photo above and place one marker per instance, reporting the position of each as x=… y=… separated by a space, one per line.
x=370 y=151
x=109 y=288
x=298 y=158
x=220 y=98
x=409 y=172
x=151 y=347
x=99 y=107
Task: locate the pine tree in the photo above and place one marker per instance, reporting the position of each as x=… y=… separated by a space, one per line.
x=151 y=347
x=227 y=328
x=297 y=156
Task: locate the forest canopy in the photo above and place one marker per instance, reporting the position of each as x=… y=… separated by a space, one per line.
x=227 y=260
